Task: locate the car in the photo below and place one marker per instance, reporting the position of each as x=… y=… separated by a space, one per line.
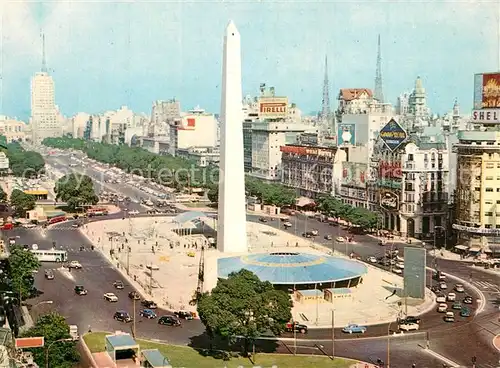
x=410 y=319
x=440 y=298
x=184 y=315
x=443 y=286
x=122 y=316
x=118 y=285
x=134 y=295
x=262 y=219
x=409 y=326
x=287 y=224
x=328 y=237
x=372 y=259
x=134 y=212
x=29 y=226
x=456 y=305
x=442 y=308
x=353 y=328
x=340 y=239
x=400 y=265
x=465 y=312
x=459 y=288
x=152 y=267
x=75 y=264
x=149 y=304
x=80 y=290
x=49 y=275
x=397 y=271
x=449 y=317
x=75 y=225
x=467 y=300
x=110 y=297
x=452 y=297
x=296 y=327
x=400 y=259
x=147 y=313
x=169 y=321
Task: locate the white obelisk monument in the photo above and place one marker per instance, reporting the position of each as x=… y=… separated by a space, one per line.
x=231 y=225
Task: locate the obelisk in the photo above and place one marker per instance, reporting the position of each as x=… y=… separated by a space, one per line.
x=231 y=225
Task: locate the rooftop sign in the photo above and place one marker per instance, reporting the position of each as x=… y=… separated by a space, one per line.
x=486 y=116
x=29 y=342
x=487 y=91
x=392 y=134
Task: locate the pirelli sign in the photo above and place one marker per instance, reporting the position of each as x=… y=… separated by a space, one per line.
x=273 y=107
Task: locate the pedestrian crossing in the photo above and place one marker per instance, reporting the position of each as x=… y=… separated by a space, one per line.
x=483 y=285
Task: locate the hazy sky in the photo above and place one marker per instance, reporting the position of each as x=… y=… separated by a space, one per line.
x=105 y=54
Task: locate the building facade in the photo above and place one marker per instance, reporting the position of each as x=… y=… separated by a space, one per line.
x=12 y=129
x=44 y=114
x=163 y=112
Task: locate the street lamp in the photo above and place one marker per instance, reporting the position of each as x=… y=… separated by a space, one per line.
x=48 y=349
x=389 y=345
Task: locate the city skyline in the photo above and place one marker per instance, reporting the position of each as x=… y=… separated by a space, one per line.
x=120 y=62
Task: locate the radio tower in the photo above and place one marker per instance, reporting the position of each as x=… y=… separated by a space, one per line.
x=325 y=103
x=379 y=94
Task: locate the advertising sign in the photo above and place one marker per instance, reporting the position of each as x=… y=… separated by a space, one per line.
x=273 y=107
x=487 y=91
x=346 y=134
x=486 y=116
x=392 y=134
x=414 y=275
x=354 y=174
x=389 y=200
x=4 y=161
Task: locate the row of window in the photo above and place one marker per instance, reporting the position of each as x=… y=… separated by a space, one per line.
x=488 y=190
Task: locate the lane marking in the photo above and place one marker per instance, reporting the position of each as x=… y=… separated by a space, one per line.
x=66 y=273
x=451 y=363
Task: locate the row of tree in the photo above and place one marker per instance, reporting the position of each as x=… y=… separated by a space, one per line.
x=76 y=190
x=19 y=201
x=170 y=171
x=356 y=216
x=269 y=194
x=26 y=164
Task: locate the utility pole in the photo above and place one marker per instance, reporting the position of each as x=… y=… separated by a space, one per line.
x=128 y=259
x=333 y=331
x=133 y=322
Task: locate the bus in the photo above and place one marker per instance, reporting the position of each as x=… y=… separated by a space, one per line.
x=50 y=255
x=97 y=211
x=55 y=220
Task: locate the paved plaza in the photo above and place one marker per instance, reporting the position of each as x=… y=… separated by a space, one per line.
x=136 y=243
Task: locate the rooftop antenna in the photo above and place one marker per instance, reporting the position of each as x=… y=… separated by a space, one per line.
x=325 y=102
x=379 y=94
x=44 y=61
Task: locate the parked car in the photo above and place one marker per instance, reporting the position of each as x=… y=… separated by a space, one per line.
x=442 y=308
x=118 y=285
x=353 y=328
x=449 y=317
x=147 y=313
x=262 y=219
x=169 y=321
x=459 y=288
x=452 y=297
x=340 y=239
x=410 y=319
x=80 y=290
x=184 y=315
x=49 y=274
x=443 y=286
x=397 y=271
x=133 y=212
x=149 y=304
x=110 y=297
x=372 y=259
x=122 y=316
x=409 y=326
x=456 y=305
x=467 y=300
x=296 y=327
x=440 y=298
x=465 y=312
x=134 y=295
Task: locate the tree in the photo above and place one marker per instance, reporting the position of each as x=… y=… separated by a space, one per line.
x=26 y=164
x=53 y=327
x=242 y=305
x=21 y=202
x=22 y=264
x=76 y=190
x=3 y=195
x=213 y=194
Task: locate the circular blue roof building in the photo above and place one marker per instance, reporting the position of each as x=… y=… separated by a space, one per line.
x=296 y=270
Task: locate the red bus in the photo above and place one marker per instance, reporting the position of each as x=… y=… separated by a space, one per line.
x=97 y=211
x=55 y=220
x=8 y=226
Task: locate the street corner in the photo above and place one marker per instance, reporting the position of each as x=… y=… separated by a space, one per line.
x=496 y=342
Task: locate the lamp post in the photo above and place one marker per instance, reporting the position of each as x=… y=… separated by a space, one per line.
x=389 y=345
x=41 y=303
x=434 y=245
x=48 y=349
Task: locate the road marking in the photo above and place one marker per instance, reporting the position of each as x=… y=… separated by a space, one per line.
x=451 y=363
x=66 y=273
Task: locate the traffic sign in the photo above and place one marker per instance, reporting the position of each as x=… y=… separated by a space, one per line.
x=30 y=342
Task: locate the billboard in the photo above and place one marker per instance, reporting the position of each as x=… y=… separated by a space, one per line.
x=487 y=91
x=486 y=116
x=346 y=134
x=415 y=275
x=389 y=200
x=354 y=174
x=273 y=107
x=4 y=161
x=393 y=134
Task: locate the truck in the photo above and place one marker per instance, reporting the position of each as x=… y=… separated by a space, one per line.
x=73 y=332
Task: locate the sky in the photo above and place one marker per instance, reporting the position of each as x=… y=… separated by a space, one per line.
x=105 y=54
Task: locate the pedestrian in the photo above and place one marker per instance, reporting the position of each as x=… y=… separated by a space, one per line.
x=90 y=329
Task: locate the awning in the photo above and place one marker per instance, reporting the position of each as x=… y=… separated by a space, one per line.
x=461 y=247
x=475 y=249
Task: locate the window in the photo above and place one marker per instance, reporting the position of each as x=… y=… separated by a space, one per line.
x=410 y=157
x=489 y=189
x=477 y=189
x=489 y=178
x=488 y=214
x=490 y=166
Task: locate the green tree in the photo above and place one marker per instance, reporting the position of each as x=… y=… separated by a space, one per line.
x=22 y=264
x=213 y=194
x=3 y=195
x=54 y=328
x=76 y=190
x=242 y=305
x=26 y=164
x=21 y=202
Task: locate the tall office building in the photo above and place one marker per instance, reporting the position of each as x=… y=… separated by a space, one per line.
x=44 y=113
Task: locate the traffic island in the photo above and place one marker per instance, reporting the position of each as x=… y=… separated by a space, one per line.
x=183 y=356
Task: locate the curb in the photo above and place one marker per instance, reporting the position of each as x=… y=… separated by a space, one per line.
x=87 y=352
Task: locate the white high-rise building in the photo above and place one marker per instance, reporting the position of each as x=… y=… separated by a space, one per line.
x=44 y=113
x=231 y=227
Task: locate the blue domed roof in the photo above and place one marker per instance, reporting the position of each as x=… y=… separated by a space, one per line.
x=293 y=268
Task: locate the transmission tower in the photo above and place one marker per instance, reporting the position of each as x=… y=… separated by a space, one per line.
x=379 y=94
x=325 y=103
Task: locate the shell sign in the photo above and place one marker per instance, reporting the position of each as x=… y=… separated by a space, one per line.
x=393 y=134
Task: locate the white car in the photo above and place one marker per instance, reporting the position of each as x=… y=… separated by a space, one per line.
x=372 y=259
x=287 y=224
x=152 y=267
x=441 y=299
x=340 y=239
x=409 y=327
x=29 y=226
x=74 y=264
x=452 y=297
x=459 y=288
x=442 y=308
x=110 y=297
x=135 y=212
x=400 y=265
x=397 y=271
